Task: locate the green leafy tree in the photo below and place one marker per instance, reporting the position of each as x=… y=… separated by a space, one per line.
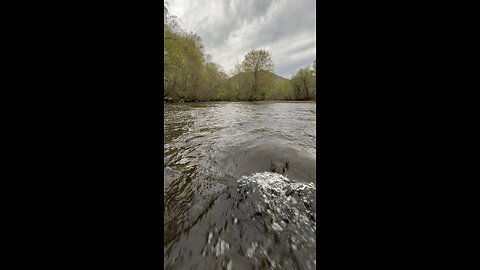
x=190 y=73
x=303 y=83
x=255 y=62
x=314 y=83
x=314 y=68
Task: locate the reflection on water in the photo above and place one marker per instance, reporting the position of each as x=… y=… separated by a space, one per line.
x=226 y=205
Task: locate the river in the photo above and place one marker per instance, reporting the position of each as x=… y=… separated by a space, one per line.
x=240 y=185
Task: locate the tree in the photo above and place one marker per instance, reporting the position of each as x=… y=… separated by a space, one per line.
x=254 y=62
x=189 y=73
x=314 y=68
x=303 y=83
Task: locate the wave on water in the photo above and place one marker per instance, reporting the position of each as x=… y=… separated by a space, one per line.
x=281 y=197
x=239 y=186
x=264 y=220
x=278 y=216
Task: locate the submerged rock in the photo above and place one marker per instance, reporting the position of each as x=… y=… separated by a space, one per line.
x=267 y=156
x=278 y=166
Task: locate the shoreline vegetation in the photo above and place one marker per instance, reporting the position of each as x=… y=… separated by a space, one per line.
x=254 y=101
x=191 y=76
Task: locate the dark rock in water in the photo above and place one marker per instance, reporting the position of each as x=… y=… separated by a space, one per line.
x=289 y=192
x=278 y=166
x=267 y=156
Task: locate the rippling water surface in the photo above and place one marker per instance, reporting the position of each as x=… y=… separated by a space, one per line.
x=240 y=186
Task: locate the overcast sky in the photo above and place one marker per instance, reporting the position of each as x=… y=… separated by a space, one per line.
x=231 y=28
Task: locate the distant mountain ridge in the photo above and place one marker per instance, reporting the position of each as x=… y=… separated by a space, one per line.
x=277 y=77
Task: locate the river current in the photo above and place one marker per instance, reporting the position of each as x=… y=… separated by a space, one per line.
x=240 y=185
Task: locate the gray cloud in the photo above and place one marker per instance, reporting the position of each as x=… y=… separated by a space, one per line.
x=229 y=29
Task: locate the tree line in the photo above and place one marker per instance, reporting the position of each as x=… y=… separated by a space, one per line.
x=190 y=74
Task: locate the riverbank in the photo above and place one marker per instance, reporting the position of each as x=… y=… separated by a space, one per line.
x=204 y=101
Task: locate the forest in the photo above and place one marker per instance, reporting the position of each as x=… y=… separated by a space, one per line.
x=190 y=75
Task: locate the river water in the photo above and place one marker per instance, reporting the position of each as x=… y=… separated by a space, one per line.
x=240 y=183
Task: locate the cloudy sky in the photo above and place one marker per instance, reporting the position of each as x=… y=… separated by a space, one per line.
x=231 y=28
